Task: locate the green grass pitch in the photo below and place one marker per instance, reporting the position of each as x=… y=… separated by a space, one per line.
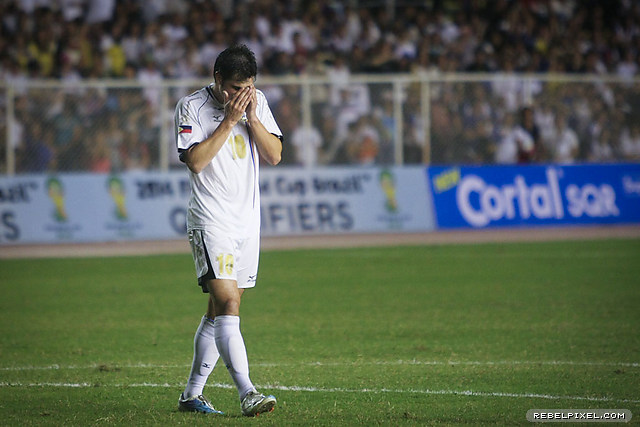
x=473 y=334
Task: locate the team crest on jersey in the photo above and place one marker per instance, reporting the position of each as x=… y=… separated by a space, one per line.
x=184 y=129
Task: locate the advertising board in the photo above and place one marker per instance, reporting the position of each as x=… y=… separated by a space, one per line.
x=152 y=205
x=506 y=196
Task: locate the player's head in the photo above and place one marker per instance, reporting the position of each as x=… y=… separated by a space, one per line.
x=235 y=63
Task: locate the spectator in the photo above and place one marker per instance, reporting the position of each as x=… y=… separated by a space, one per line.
x=566 y=141
x=150 y=78
x=370 y=33
x=14 y=76
x=159 y=39
x=115 y=138
x=468 y=36
x=382 y=59
x=528 y=154
x=516 y=143
x=74 y=156
x=307 y=141
x=74 y=51
x=602 y=150
x=166 y=54
x=100 y=11
x=308 y=33
x=134 y=152
x=64 y=121
x=481 y=61
x=99 y=157
x=133 y=43
x=331 y=143
x=628 y=66
x=43 y=49
x=478 y=128
x=384 y=120
x=144 y=123
x=346 y=151
x=367 y=141
x=346 y=112
x=338 y=74
x=509 y=86
x=72 y=9
x=630 y=142
x=254 y=42
x=175 y=29
x=341 y=41
x=38 y=154
x=544 y=118
x=115 y=58
x=413 y=126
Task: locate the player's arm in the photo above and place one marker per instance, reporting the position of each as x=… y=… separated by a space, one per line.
x=269 y=145
x=198 y=156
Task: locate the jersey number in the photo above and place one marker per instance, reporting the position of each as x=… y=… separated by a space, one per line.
x=225 y=263
x=238 y=147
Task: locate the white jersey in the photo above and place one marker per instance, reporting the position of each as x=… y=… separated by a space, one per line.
x=225 y=195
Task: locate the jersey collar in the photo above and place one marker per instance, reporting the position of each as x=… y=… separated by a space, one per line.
x=217 y=104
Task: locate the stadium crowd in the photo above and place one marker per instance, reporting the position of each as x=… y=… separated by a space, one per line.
x=73 y=40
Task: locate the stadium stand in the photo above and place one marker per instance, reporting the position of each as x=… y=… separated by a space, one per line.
x=499 y=121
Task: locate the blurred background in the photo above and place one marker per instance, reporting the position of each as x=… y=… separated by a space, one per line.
x=91 y=85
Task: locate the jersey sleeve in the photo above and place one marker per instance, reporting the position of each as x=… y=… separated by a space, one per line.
x=187 y=128
x=266 y=116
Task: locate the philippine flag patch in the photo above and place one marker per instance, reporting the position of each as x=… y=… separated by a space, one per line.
x=184 y=129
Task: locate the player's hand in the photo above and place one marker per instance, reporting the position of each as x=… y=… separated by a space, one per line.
x=236 y=106
x=253 y=103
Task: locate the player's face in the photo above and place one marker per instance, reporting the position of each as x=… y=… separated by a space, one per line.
x=233 y=86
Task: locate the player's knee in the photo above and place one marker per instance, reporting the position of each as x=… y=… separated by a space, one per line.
x=228 y=307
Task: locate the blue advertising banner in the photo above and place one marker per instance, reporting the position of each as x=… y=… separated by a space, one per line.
x=503 y=196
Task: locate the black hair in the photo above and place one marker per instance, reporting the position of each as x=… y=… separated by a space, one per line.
x=236 y=63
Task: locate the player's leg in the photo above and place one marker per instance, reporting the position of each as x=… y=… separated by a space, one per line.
x=205 y=351
x=226 y=303
x=254 y=403
x=224 y=270
x=205 y=355
x=226 y=296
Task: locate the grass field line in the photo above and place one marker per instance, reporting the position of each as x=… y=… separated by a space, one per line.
x=339 y=364
x=335 y=390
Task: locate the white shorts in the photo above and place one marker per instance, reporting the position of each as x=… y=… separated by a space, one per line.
x=221 y=257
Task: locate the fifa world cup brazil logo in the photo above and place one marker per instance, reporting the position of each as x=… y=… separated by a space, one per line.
x=56 y=194
x=116 y=190
x=388 y=185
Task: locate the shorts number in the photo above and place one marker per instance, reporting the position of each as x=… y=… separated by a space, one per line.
x=225 y=263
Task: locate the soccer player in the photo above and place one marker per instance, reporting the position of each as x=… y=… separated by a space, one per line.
x=221 y=130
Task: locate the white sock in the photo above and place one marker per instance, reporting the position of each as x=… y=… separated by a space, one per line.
x=232 y=350
x=205 y=356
